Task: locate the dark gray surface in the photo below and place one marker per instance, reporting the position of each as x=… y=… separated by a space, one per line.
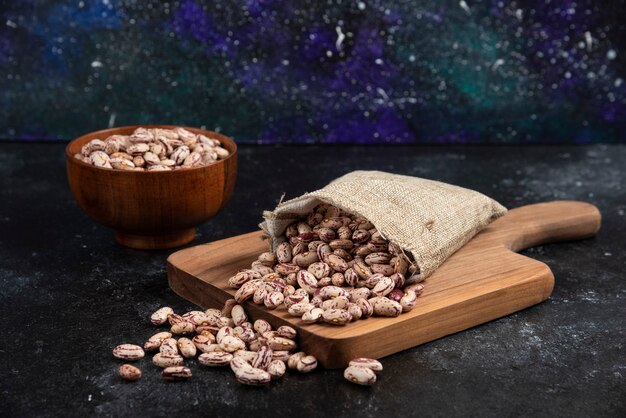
x=68 y=294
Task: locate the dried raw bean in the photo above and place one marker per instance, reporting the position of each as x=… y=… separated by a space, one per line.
x=199 y=318
x=360 y=293
x=248 y=356
x=100 y=159
x=122 y=164
x=242 y=277
x=369 y=363
x=238 y=314
x=184 y=327
x=187 y=348
x=257 y=344
x=306 y=364
x=286 y=268
x=223 y=332
x=307 y=237
x=260 y=294
x=362 y=250
x=332 y=292
x=323 y=251
x=396 y=295
x=239 y=363
x=261 y=326
x=343 y=254
x=326 y=234
x=383 y=287
x=215 y=359
x=312 y=316
x=245 y=334
x=276 y=369
x=263 y=358
x=129 y=372
x=324 y=281
x=360 y=236
x=340 y=302
x=228 y=308
x=174 y=319
x=297 y=247
x=261 y=268
x=398 y=279
x=292 y=363
x=307 y=281
x=377 y=248
x=176 y=373
x=367 y=309
x=204 y=342
x=316 y=301
x=283 y=253
x=252 y=376
x=337 y=263
x=167 y=360
x=286 y=332
x=373 y=280
x=156 y=340
x=351 y=277
x=274 y=299
x=319 y=269
x=169 y=346
x=246 y=291
x=213 y=312
x=355 y=311
x=408 y=301
x=417 y=288
x=281 y=344
x=305 y=259
x=267 y=258
x=139 y=161
x=231 y=344
x=345 y=233
x=360 y=375
x=338 y=279
x=281 y=355
x=336 y=316
x=362 y=269
x=128 y=352
x=386 y=307
x=138 y=149
x=384 y=269
x=298 y=309
x=332 y=223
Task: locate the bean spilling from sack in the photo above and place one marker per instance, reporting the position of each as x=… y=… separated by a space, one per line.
x=332 y=267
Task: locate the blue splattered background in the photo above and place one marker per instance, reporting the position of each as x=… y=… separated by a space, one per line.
x=383 y=71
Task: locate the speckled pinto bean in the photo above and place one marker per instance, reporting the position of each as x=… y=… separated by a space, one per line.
x=160 y=316
x=215 y=359
x=360 y=375
x=156 y=340
x=167 y=360
x=128 y=352
x=176 y=373
x=252 y=376
x=370 y=363
x=129 y=372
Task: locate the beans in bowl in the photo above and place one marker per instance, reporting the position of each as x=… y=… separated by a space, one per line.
x=153 y=149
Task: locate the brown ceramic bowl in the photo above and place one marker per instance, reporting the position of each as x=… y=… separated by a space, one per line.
x=151 y=209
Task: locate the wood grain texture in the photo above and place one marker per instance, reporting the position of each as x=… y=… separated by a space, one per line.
x=151 y=209
x=482 y=281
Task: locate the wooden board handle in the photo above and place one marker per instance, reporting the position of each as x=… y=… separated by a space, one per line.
x=542 y=223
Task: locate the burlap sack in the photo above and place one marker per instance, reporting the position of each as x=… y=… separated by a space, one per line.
x=429 y=219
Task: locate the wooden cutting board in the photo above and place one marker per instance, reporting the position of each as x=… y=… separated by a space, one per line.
x=484 y=280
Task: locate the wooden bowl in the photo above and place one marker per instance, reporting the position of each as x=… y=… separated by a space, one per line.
x=151 y=209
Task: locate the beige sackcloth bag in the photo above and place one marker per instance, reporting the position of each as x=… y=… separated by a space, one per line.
x=427 y=218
